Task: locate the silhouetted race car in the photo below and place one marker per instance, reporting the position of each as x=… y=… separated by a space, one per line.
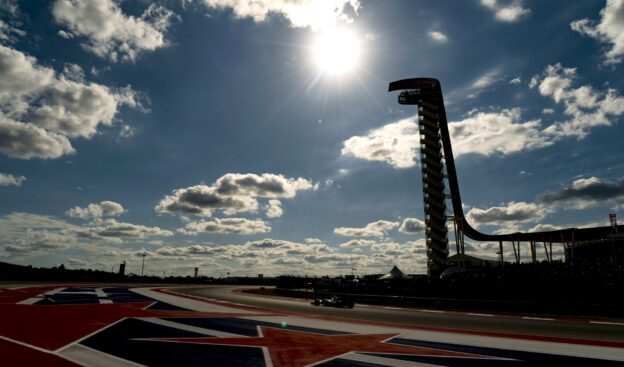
x=333 y=301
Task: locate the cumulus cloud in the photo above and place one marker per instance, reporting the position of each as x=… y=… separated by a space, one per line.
x=274 y=209
x=512 y=11
x=95 y=210
x=374 y=229
x=610 y=30
x=585 y=193
x=301 y=13
x=266 y=249
x=226 y=225
x=38 y=242
x=484 y=133
x=10 y=180
x=512 y=212
x=110 y=228
x=110 y=33
x=412 y=225
x=40 y=110
x=232 y=193
x=500 y=132
x=438 y=37
x=396 y=144
x=357 y=244
x=515 y=81
x=27 y=234
x=585 y=106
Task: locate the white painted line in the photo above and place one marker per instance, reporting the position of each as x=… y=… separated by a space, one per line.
x=26 y=345
x=392 y=308
x=432 y=311
x=365 y=358
x=480 y=314
x=52 y=292
x=59 y=350
x=537 y=318
x=194 y=329
x=105 y=301
x=86 y=356
x=100 y=293
x=607 y=323
x=30 y=301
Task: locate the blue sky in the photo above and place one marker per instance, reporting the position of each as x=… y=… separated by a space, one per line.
x=219 y=134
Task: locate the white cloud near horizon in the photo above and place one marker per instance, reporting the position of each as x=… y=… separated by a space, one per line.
x=375 y=229
x=240 y=226
x=97 y=210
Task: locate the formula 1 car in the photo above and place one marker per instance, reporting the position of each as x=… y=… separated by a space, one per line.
x=333 y=301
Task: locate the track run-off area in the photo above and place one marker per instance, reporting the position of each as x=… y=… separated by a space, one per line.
x=119 y=325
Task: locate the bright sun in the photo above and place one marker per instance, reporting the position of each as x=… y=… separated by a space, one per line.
x=337 y=51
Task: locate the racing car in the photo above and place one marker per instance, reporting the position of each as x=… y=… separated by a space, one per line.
x=333 y=301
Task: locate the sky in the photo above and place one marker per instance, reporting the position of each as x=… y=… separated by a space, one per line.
x=258 y=137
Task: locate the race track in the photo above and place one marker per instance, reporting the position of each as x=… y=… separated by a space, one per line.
x=532 y=325
x=120 y=325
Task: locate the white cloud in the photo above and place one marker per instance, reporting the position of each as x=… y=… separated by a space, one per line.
x=25 y=141
x=300 y=13
x=226 y=225
x=548 y=111
x=26 y=234
x=585 y=106
x=501 y=132
x=374 y=229
x=232 y=193
x=586 y=193
x=438 y=37
x=357 y=244
x=412 y=225
x=395 y=144
x=10 y=180
x=95 y=210
x=486 y=80
x=110 y=228
x=510 y=213
x=515 y=81
x=274 y=209
x=111 y=33
x=609 y=30
x=513 y=11
x=41 y=110
x=484 y=133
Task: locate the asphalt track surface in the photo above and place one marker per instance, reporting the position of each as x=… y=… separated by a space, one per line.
x=592 y=329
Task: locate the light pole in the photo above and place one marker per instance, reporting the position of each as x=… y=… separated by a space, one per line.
x=143 y=264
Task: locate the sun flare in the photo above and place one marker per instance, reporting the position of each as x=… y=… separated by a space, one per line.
x=337 y=51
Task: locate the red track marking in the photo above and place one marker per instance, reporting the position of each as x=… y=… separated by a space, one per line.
x=51 y=327
x=14 y=354
x=54 y=326
x=16 y=295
